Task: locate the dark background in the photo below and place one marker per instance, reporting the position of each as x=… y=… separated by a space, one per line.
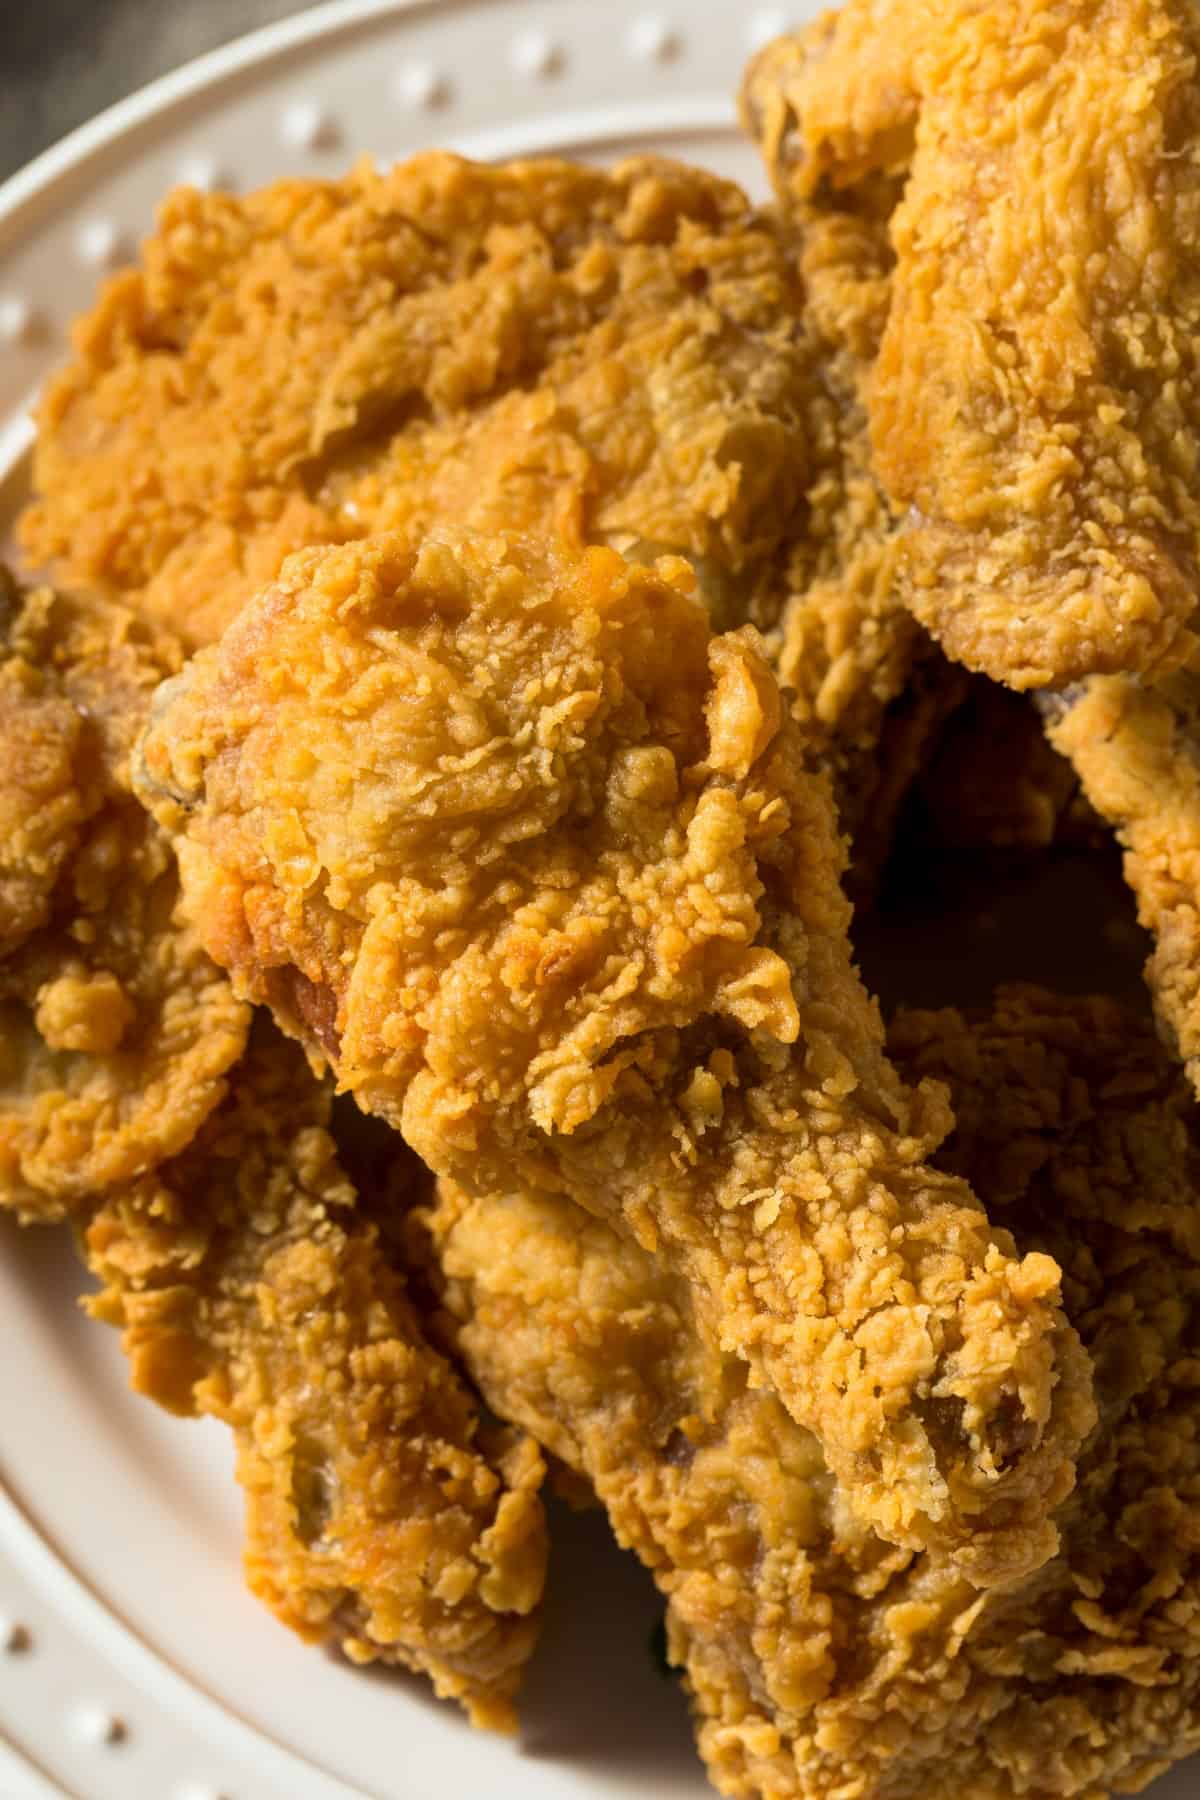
x=62 y=61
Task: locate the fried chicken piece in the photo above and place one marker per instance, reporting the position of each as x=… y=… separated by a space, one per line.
x=1134 y=749
x=1036 y=396
x=866 y=684
x=617 y=357
x=822 y=1662
x=534 y=861
x=116 y=1031
x=248 y=1287
x=634 y=358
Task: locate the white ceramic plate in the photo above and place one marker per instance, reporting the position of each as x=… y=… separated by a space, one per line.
x=133 y=1665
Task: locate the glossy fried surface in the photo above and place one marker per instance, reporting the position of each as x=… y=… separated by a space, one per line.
x=536 y=863
x=1036 y=395
x=248 y=1287
x=820 y=1660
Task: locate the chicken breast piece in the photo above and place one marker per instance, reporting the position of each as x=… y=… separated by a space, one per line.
x=615 y=357
x=635 y=358
x=534 y=861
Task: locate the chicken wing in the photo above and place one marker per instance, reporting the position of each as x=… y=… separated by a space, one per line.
x=535 y=862
x=821 y=1661
x=1035 y=401
x=248 y=1287
x=116 y=1031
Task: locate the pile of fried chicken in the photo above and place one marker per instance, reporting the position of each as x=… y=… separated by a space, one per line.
x=501 y=619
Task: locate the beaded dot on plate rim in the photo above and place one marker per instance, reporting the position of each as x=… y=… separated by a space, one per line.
x=96 y=1725
x=307 y=126
x=99 y=243
x=535 y=54
x=420 y=84
x=651 y=39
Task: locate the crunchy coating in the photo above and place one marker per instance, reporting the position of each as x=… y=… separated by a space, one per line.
x=248 y=1287
x=613 y=356
x=1134 y=749
x=631 y=357
x=821 y=1661
x=865 y=683
x=116 y=1030
x=1035 y=400
x=533 y=859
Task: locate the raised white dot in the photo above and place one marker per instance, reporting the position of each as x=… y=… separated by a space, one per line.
x=306 y=126
x=96 y=1725
x=766 y=26
x=651 y=39
x=18 y=321
x=535 y=54
x=99 y=244
x=203 y=172
x=15 y=1638
x=420 y=84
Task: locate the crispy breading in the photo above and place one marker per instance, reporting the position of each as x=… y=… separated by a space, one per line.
x=1134 y=749
x=822 y=1662
x=866 y=684
x=613 y=356
x=1036 y=396
x=248 y=1287
x=116 y=1030
x=634 y=358
x=535 y=861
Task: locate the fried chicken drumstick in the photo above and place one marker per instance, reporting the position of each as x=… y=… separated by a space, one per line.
x=820 y=1660
x=1035 y=401
x=533 y=860
x=209 y=1201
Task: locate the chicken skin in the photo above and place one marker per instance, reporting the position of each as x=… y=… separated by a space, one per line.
x=248 y=1287
x=117 y=1033
x=1035 y=400
x=615 y=357
x=820 y=1660
x=633 y=358
x=534 y=861
x=208 y=1199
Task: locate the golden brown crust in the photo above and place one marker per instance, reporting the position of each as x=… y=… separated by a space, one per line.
x=635 y=358
x=820 y=1660
x=548 y=853
x=1134 y=749
x=612 y=356
x=248 y=1287
x=1044 y=262
x=117 y=1031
